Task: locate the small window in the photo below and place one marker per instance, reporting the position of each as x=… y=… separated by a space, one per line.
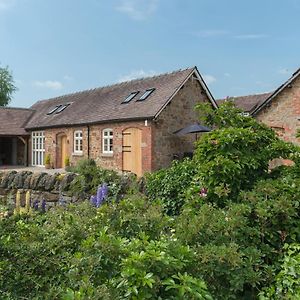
x=130 y=97
x=53 y=109
x=107 y=141
x=146 y=94
x=78 y=141
x=61 y=108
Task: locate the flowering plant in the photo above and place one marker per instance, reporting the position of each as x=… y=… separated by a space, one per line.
x=100 y=197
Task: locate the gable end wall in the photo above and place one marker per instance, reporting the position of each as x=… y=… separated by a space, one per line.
x=179 y=113
x=283 y=113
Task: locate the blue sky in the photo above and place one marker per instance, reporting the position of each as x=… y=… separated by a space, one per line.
x=54 y=47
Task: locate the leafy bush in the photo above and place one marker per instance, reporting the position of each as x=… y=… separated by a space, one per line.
x=76 y=253
x=236 y=154
x=230 y=219
x=239 y=246
x=90 y=177
x=170 y=185
x=287 y=282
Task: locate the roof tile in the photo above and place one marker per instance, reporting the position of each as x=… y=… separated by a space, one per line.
x=105 y=104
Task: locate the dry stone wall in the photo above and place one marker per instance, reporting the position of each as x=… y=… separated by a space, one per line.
x=53 y=189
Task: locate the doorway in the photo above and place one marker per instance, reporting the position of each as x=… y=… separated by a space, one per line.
x=132 y=151
x=63 y=150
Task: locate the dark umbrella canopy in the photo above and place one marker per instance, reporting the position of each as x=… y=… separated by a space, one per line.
x=194 y=128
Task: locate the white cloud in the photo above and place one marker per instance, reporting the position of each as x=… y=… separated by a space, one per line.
x=250 y=36
x=136 y=74
x=49 y=84
x=138 y=9
x=209 y=79
x=211 y=33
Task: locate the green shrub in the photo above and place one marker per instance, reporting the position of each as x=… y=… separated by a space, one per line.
x=239 y=246
x=90 y=177
x=236 y=154
x=287 y=281
x=170 y=185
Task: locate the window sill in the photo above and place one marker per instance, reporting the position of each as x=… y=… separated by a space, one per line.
x=77 y=154
x=107 y=154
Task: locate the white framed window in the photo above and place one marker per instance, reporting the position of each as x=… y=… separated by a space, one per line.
x=78 y=141
x=38 y=148
x=107 y=140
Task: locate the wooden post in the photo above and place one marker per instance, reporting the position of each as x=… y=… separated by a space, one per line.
x=27 y=202
x=18 y=203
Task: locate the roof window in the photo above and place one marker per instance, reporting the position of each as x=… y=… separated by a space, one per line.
x=146 y=94
x=58 y=109
x=130 y=97
x=50 y=112
x=62 y=108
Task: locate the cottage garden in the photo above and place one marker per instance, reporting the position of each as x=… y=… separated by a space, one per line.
x=221 y=225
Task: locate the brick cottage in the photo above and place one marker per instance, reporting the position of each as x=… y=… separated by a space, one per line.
x=279 y=109
x=127 y=127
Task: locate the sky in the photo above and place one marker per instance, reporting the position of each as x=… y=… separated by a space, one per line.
x=56 y=47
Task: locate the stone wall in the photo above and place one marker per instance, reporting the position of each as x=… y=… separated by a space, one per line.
x=42 y=186
x=115 y=161
x=178 y=114
x=284 y=112
x=112 y=161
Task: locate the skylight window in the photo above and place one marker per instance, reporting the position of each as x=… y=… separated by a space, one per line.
x=146 y=94
x=58 y=109
x=61 y=108
x=50 y=112
x=130 y=97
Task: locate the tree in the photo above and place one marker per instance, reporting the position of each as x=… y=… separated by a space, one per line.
x=7 y=86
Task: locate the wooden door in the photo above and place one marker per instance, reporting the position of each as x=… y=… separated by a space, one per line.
x=63 y=151
x=132 y=151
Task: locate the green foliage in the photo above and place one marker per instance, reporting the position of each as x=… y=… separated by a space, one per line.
x=7 y=86
x=170 y=185
x=75 y=253
x=90 y=177
x=227 y=115
x=227 y=242
x=287 y=281
x=235 y=156
x=67 y=161
x=239 y=246
x=47 y=159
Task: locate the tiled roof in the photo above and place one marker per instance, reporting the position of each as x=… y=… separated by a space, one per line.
x=105 y=104
x=12 y=120
x=248 y=103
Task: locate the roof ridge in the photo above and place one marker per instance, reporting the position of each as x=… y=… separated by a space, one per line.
x=255 y=94
x=116 y=84
x=243 y=96
x=19 y=108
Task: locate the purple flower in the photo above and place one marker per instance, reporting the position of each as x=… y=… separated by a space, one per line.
x=203 y=192
x=101 y=195
x=36 y=205
x=93 y=200
x=43 y=206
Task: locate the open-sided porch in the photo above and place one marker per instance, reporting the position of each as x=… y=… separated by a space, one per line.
x=13 y=151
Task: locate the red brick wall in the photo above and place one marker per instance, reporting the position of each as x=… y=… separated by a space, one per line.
x=283 y=113
x=115 y=161
x=110 y=161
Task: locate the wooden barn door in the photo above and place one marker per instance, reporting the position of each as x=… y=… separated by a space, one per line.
x=132 y=151
x=63 y=150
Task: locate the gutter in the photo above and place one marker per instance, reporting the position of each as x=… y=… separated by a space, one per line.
x=89 y=123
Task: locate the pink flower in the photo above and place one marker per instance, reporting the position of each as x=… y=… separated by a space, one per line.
x=203 y=192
